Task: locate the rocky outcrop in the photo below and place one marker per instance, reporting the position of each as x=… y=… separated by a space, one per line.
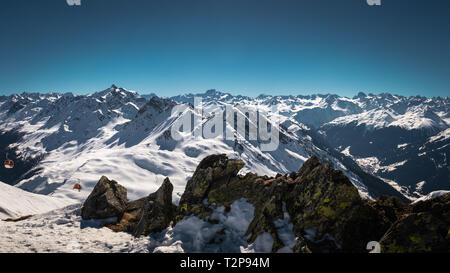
x=320 y=201
x=392 y=207
x=108 y=199
x=324 y=207
x=326 y=210
x=140 y=217
x=213 y=172
x=425 y=229
x=158 y=211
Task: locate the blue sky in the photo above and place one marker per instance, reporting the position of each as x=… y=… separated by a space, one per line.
x=244 y=47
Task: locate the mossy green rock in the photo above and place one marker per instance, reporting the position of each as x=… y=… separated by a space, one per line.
x=425 y=229
x=327 y=209
x=317 y=197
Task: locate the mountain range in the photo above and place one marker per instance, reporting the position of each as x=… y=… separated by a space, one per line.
x=385 y=144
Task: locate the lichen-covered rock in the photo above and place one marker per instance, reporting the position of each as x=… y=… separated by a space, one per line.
x=327 y=210
x=415 y=233
x=392 y=207
x=216 y=183
x=217 y=169
x=426 y=229
x=319 y=200
x=108 y=199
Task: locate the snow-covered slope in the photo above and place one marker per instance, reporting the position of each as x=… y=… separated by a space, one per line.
x=192 y=234
x=63 y=231
x=15 y=202
x=431 y=195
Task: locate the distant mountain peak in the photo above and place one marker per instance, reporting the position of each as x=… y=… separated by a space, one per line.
x=360 y=95
x=213 y=92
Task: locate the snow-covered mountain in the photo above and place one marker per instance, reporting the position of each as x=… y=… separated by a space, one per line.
x=403 y=141
x=58 y=140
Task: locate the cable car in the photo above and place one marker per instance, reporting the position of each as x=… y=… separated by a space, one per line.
x=77 y=187
x=9 y=164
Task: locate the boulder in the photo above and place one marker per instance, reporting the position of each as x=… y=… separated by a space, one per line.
x=150 y=214
x=326 y=209
x=214 y=169
x=158 y=211
x=108 y=199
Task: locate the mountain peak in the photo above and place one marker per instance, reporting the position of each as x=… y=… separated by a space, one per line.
x=360 y=95
x=212 y=92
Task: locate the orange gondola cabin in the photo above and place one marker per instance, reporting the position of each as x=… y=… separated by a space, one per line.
x=77 y=187
x=9 y=164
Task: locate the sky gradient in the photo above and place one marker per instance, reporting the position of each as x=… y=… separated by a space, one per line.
x=247 y=47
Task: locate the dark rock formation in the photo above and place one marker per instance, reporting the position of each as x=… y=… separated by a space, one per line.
x=319 y=200
x=149 y=214
x=213 y=171
x=108 y=199
x=426 y=229
x=158 y=211
x=130 y=217
x=392 y=207
x=325 y=208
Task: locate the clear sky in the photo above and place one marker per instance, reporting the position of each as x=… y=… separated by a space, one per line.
x=244 y=47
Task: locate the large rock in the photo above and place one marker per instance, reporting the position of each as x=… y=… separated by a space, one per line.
x=326 y=209
x=108 y=199
x=158 y=211
x=131 y=216
x=214 y=169
x=215 y=181
x=147 y=215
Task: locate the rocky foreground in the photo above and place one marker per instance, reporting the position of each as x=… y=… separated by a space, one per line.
x=326 y=212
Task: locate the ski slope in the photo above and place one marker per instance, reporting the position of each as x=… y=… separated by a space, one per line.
x=15 y=202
